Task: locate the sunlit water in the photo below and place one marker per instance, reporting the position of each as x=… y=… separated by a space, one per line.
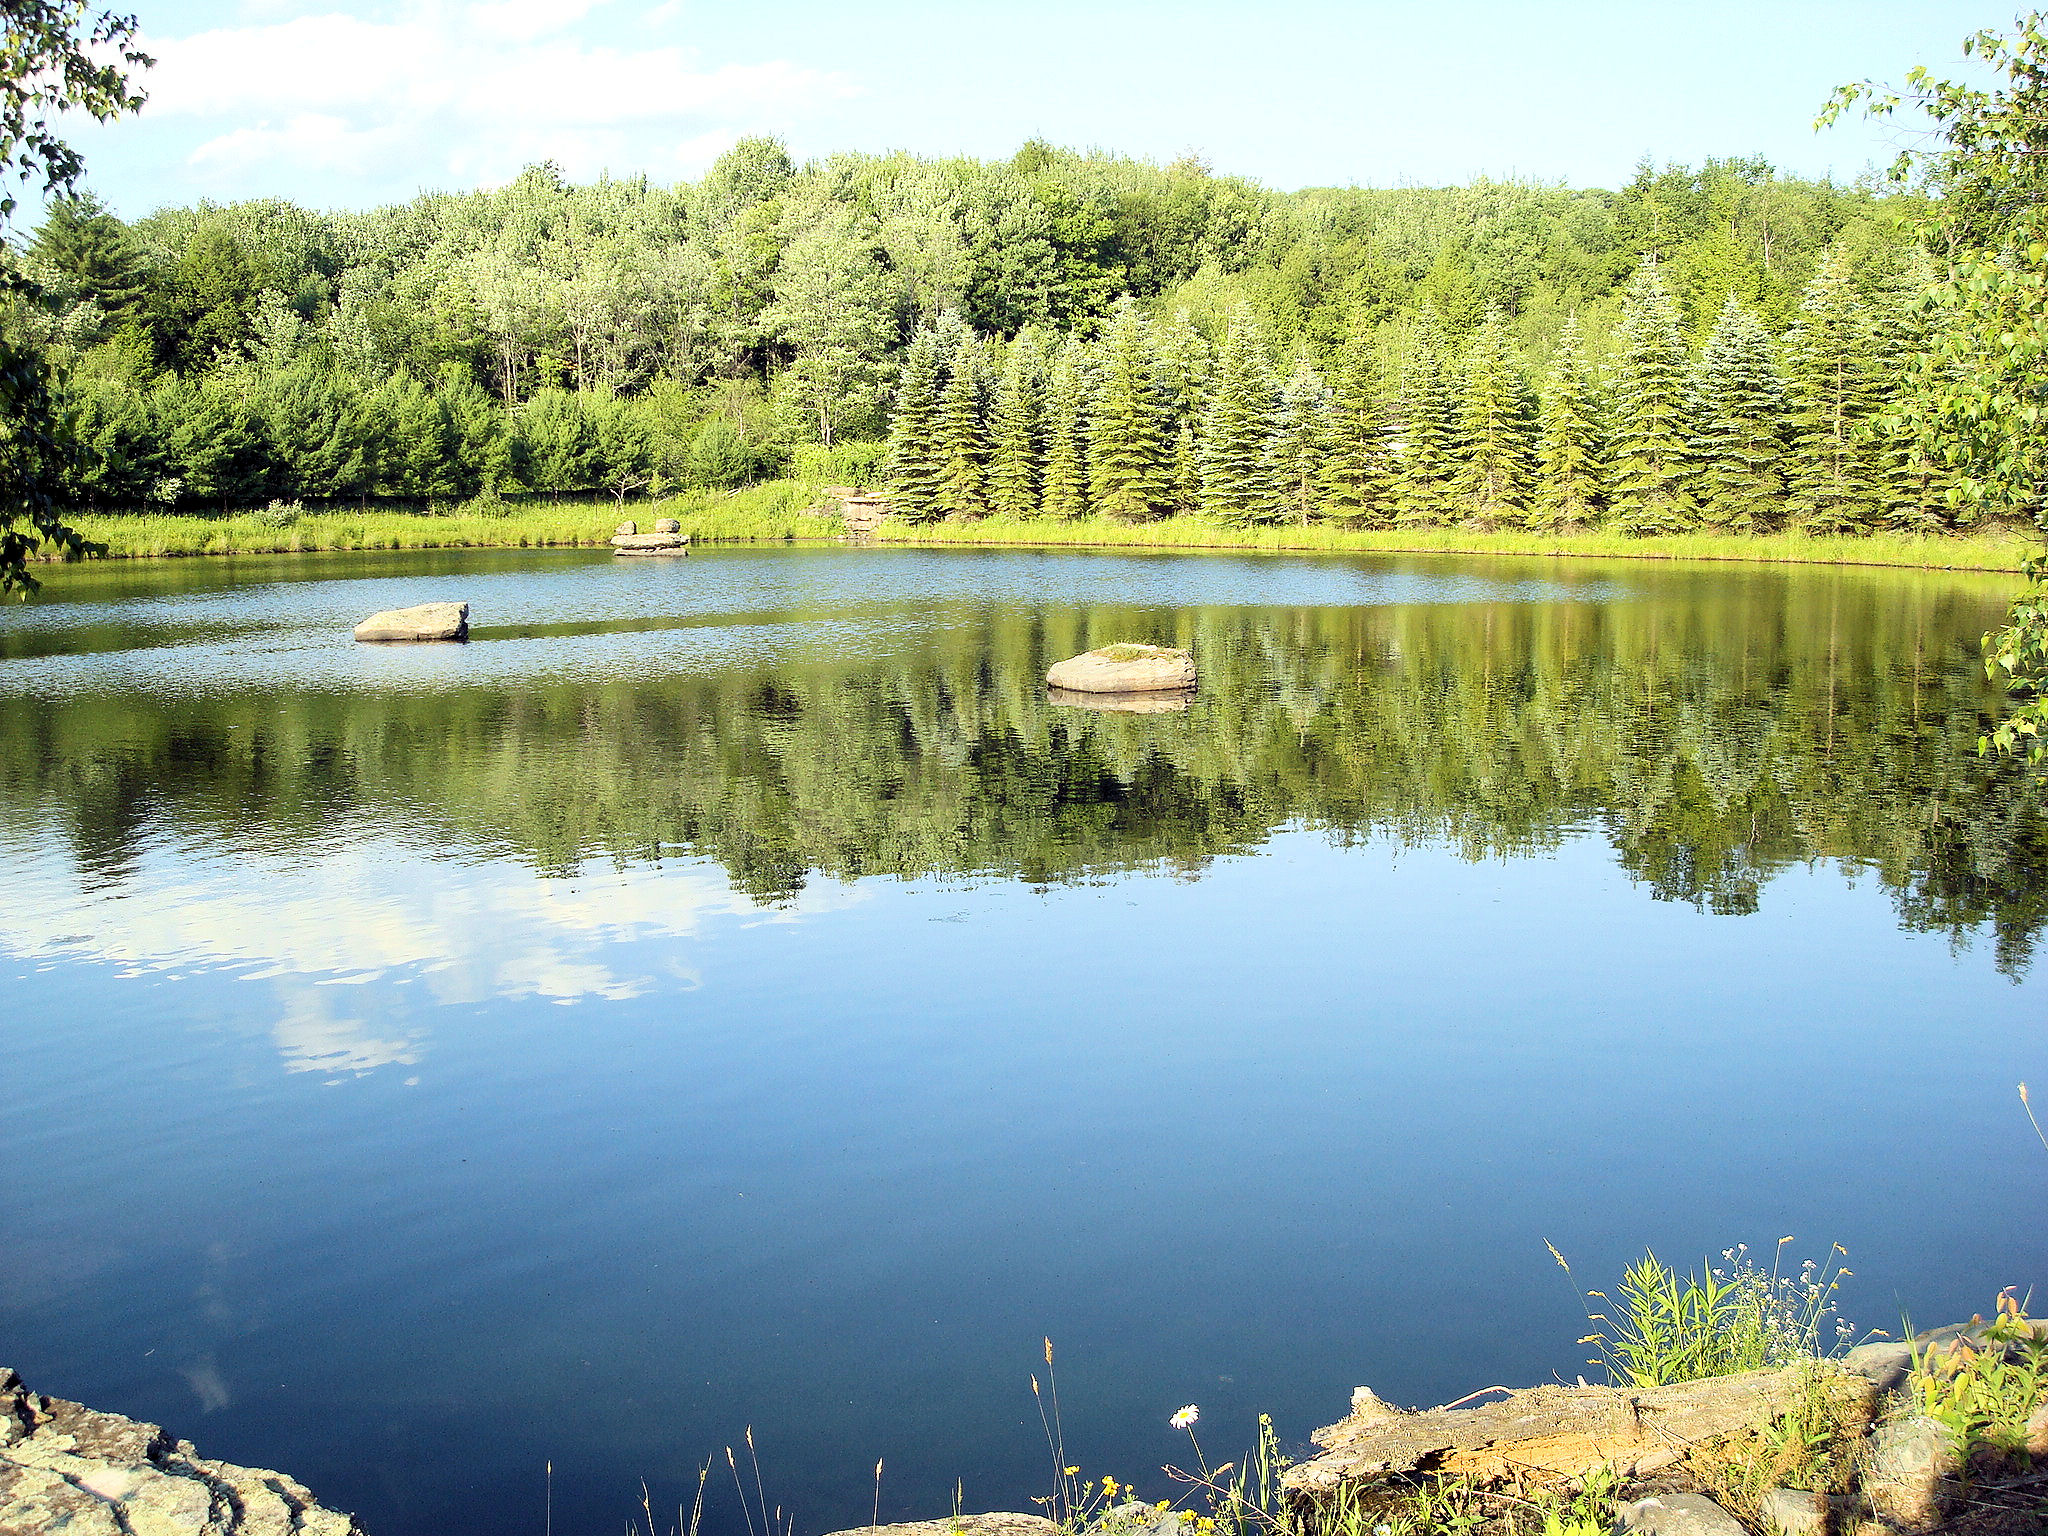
x=727 y=993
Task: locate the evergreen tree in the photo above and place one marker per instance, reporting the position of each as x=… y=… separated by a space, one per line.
x=1570 y=447
x=1185 y=367
x=1358 y=475
x=1425 y=474
x=1739 y=401
x=1014 y=429
x=1187 y=471
x=95 y=253
x=913 y=459
x=961 y=434
x=1493 y=424
x=1831 y=363
x=1298 y=455
x=1650 y=464
x=1237 y=427
x=1129 y=451
x=1913 y=482
x=1064 y=491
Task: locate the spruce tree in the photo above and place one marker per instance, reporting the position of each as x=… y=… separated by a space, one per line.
x=1913 y=482
x=1187 y=472
x=1064 y=487
x=1739 y=401
x=1358 y=473
x=1237 y=426
x=1424 y=475
x=1831 y=364
x=1130 y=453
x=913 y=461
x=1650 y=463
x=1014 y=427
x=95 y=252
x=961 y=431
x=1298 y=455
x=1571 y=470
x=1493 y=424
x=1185 y=367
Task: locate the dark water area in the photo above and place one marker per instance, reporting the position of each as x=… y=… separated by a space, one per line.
x=728 y=993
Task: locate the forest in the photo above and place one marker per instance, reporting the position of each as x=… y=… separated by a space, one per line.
x=1058 y=334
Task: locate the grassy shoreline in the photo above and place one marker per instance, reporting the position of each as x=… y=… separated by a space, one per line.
x=775 y=513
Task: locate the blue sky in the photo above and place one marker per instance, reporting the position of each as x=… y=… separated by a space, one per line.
x=351 y=105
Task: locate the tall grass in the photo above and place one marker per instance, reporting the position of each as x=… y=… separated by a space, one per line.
x=774 y=511
x=2001 y=550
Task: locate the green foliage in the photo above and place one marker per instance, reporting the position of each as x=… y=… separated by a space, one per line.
x=960 y=429
x=1658 y=1329
x=1065 y=493
x=1298 y=453
x=1571 y=471
x=1425 y=477
x=1834 y=393
x=1358 y=471
x=1494 y=426
x=1740 y=403
x=1650 y=461
x=1984 y=1392
x=1237 y=427
x=1130 y=467
x=913 y=464
x=1015 y=422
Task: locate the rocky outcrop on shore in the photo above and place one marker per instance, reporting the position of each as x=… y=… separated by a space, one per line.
x=71 y=1469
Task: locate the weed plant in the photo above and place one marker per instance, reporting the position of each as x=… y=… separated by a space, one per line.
x=1985 y=1392
x=1658 y=1329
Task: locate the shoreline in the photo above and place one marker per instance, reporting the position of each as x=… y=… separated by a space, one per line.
x=779 y=513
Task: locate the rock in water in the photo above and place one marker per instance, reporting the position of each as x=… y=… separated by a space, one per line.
x=650 y=543
x=1125 y=669
x=627 y=528
x=65 y=1468
x=965 y=1525
x=1676 y=1514
x=668 y=525
x=429 y=621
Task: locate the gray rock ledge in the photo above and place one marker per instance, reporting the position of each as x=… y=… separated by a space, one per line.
x=66 y=1468
x=429 y=621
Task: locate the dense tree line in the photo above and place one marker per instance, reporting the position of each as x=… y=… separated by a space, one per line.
x=1418 y=426
x=553 y=337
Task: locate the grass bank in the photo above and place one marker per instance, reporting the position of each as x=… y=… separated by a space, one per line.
x=765 y=512
x=1995 y=551
x=775 y=512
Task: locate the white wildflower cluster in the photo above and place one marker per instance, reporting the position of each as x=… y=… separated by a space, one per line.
x=1795 y=1314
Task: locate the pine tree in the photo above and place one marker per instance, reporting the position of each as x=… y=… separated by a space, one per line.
x=94 y=250
x=1064 y=490
x=1358 y=474
x=1571 y=471
x=1014 y=427
x=1831 y=364
x=1739 y=403
x=1913 y=482
x=1187 y=472
x=1650 y=464
x=961 y=433
x=1493 y=424
x=1129 y=450
x=1425 y=472
x=1185 y=367
x=1298 y=455
x=1237 y=425
x=913 y=461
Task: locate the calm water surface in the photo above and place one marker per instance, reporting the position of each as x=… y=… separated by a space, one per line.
x=727 y=993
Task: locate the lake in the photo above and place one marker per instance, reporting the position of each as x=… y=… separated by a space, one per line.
x=727 y=993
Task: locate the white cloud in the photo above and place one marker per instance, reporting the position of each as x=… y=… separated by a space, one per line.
x=459 y=95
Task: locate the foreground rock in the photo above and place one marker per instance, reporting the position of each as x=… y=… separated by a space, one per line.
x=965 y=1525
x=1677 y=1514
x=67 y=1468
x=1125 y=669
x=1565 y=1431
x=429 y=621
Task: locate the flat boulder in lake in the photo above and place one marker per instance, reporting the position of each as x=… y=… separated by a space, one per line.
x=1125 y=669
x=670 y=543
x=428 y=621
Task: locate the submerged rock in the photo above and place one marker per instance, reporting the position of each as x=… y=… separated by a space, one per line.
x=429 y=621
x=1125 y=669
x=1162 y=702
x=64 y=1467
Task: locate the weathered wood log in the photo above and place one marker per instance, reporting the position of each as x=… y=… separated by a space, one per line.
x=1561 y=1431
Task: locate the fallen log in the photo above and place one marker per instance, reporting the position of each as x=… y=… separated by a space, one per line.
x=1558 y=1431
